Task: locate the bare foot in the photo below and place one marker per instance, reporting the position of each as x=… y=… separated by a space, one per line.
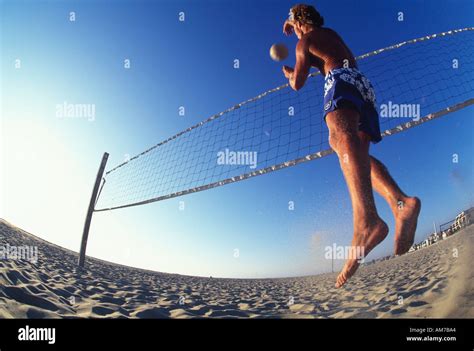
x=406 y=218
x=366 y=240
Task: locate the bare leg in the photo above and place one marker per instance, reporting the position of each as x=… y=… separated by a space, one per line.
x=405 y=209
x=369 y=229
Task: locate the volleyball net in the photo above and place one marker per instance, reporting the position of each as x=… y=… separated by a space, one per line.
x=414 y=81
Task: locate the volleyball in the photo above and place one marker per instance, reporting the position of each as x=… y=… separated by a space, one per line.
x=278 y=52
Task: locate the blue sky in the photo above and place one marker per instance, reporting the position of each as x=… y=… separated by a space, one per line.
x=49 y=164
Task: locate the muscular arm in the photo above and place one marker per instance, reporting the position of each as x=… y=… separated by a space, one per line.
x=300 y=73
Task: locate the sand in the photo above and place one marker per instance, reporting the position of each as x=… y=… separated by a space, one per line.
x=434 y=282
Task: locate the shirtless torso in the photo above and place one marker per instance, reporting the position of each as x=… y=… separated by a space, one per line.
x=319 y=47
x=327 y=50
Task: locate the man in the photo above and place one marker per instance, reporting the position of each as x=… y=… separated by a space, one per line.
x=353 y=122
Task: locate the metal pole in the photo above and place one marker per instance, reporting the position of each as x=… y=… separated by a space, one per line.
x=87 y=224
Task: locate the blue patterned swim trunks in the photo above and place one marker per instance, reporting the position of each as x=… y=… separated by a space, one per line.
x=345 y=87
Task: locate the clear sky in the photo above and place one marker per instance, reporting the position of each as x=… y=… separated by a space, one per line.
x=48 y=164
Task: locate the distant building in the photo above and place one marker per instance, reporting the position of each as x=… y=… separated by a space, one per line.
x=462 y=220
x=469 y=216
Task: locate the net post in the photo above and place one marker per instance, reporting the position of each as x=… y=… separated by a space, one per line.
x=87 y=223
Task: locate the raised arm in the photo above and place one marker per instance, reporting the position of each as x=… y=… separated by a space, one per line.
x=297 y=76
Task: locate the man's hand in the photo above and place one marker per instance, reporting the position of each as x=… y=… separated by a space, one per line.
x=288 y=27
x=287 y=71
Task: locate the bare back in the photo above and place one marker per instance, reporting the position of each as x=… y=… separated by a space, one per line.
x=328 y=50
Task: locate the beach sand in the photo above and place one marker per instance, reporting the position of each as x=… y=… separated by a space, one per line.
x=433 y=282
